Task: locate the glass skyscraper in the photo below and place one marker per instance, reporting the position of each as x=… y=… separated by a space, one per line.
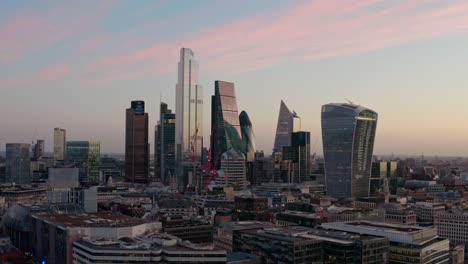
x=136 y=143
x=189 y=111
x=17 y=163
x=288 y=122
x=248 y=138
x=165 y=142
x=348 y=134
x=226 y=133
x=85 y=155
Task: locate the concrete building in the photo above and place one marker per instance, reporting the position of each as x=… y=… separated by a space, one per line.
x=408 y=244
x=152 y=248
x=60 y=136
x=425 y=212
x=233 y=171
x=453 y=225
x=63 y=178
x=17 y=163
x=54 y=234
x=251 y=208
x=223 y=237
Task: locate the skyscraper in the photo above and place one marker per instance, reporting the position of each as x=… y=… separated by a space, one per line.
x=248 y=138
x=288 y=122
x=86 y=156
x=299 y=154
x=136 y=143
x=225 y=127
x=189 y=122
x=60 y=136
x=348 y=133
x=38 y=149
x=165 y=138
x=17 y=163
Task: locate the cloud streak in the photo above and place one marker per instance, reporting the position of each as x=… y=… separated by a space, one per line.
x=312 y=30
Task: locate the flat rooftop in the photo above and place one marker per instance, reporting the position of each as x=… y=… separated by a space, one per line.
x=101 y=219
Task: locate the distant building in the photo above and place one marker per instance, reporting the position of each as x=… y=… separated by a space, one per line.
x=195 y=232
x=38 y=150
x=60 y=137
x=299 y=154
x=17 y=163
x=453 y=225
x=288 y=122
x=63 y=178
x=408 y=244
x=165 y=145
x=380 y=171
x=248 y=137
x=85 y=155
x=223 y=237
x=226 y=131
x=189 y=121
x=136 y=144
x=348 y=133
x=233 y=171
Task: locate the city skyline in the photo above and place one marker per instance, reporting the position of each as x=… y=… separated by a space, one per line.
x=408 y=72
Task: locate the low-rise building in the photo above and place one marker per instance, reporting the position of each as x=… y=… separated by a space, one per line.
x=408 y=244
x=224 y=233
x=453 y=225
x=425 y=212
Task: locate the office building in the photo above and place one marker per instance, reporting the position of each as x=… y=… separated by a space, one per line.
x=248 y=137
x=54 y=233
x=223 y=236
x=453 y=225
x=150 y=248
x=189 y=122
x=233 y=171
x=288 y=122
x=136 y=144
x=38 y=150
x=165 y=145
x=251 y=208
x=408 y=244
x=380 y=171
x=60 y=137
x=225 y=127
x=85 y=155
x=425 y=212
x=299 y=155
x=17 y=163
x=348 y=133
x=277 y=246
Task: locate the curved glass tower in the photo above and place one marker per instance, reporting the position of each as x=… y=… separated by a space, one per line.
x=288 y=122
x=348 y=134
x=248 y=138
x=226 y=132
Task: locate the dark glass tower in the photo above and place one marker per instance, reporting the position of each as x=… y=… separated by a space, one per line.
x=165 y=142
x=288 y=122
x=85 y=155
x=225 y=127
x=248 y=138
x=136 y=143
x=300 y=150
x=348 y=134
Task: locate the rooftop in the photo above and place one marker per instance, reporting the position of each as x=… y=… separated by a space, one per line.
x=102 y=219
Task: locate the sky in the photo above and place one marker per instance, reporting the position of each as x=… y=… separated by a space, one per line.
x=78 y=64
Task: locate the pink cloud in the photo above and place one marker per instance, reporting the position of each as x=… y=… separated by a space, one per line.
x=312 y=30
x=52 y=72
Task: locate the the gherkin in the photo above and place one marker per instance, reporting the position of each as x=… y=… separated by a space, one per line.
x=248 y=138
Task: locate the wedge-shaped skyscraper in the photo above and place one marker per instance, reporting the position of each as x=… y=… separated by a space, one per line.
x=226 y=133
x=248 y=138
x=288 y=122
x=348 y=134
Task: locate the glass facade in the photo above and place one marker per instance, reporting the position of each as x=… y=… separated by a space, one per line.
x=189 y=111
x=168 y=121
x=348 y=135
x=248 y=137
x=225 y=121
x=17 y=164
x=136 y=144
x=85 y=155
x=288 y=122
